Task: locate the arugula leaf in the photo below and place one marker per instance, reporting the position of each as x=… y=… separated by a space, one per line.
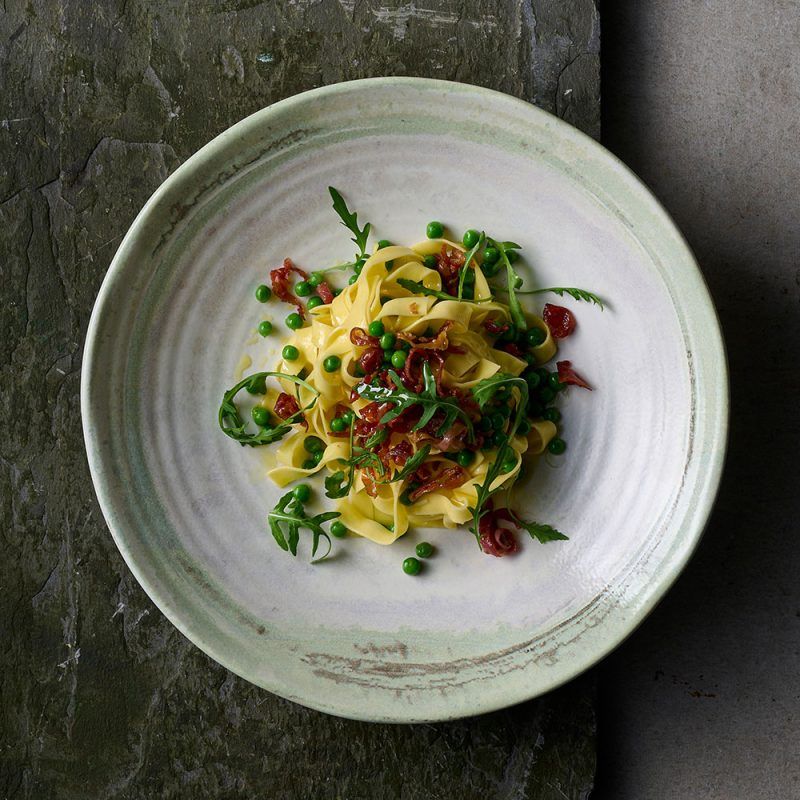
x=403 y=399
x=514 y=283
x=232 y=424
x=350 y=221
x=544 y=533
x=470 y=255
x=411 y=465
x=578 y=294
x=483 y=392
x=289 y=516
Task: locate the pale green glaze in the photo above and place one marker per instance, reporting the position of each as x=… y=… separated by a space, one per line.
x=400 y=670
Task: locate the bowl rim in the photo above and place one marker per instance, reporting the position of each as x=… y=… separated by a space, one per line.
x=617 y=630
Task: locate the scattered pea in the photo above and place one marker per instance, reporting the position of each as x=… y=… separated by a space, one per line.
x=309 y=463
x=431 y=262
x=302 y=492
x=265 y=327
x=348 y=416
x=384 y=243
x=338 y=529
x=554 y=383
x=491 y=255
x=512 y=255
x=332 y=363
x=464 y=458
x=524 y=428
x=290 y=353
x=509 y=463
x=294 y=321
x=435 y=230
x=315 y=279
x=399 y=359
x=535 y=336
x=338 y=425
x=261 y=416
x=412 y=566
x=313 y=444
x=424 y=549
x=471 y=238
x=263 y=293
x=387 y=340
x=318 y=456
x=546 y=395
x=376 y=328
x=303 y=289
x=313 y=302
x=257 y=385
x=552 y=414
x=490 y=270
x=557 y=446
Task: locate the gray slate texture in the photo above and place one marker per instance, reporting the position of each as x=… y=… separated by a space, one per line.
x=100 y=697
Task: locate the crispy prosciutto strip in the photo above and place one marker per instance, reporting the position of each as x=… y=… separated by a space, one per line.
x=496 y=328
x=568 y=375
x=286 y=405
x=448 y=478
x=449 y=265
x=496 y=540
x=438 y=342
x=325 y=292
x=280 y=278
x=560 y=320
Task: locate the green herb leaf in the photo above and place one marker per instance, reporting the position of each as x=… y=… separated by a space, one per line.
x=483 y=392
x=577 y=294
x=350 y=221
x=470 y=255
x=289 y=516
x=230 y=419
x=514 y=282
x=544 y=533
x=417 y=287
x=335 y=485
x=402 y=399
x=410 y=467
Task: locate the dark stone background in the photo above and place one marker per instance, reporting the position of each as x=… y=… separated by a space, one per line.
x=100 y=697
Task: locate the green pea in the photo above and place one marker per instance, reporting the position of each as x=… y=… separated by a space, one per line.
x=303 y=289
x=557 y=446
x=546 y=395
x=554 y=382
x=435 y=230
x=376 y=328
x=535 y=336
x=510 y=335
x=431 y=262
x=543 y=375
x=512 y=255
x=464 y=458
x=352 y=279
x=263 y=293
x=406 y=347
x=338 y=529
x=405 y=499
x=318 y=456
x=552 y=414
x=469 y=277
x=302 y=492
x=471 y=238
x=257 y=385
x=338 y=425
x=412 y=566
x=294 y=321
x=524 y=428
x=390 y=527
x=424 y=549
x=389 y=265
x=384 y=243
x=509 y=463
x=387 y=356
x=313 y=302
x=497 y=420
x=357 y=267
x=348 y=416
x=290 y=353
x=388 y=340
x=331 y=363
x=490 y=270
x=399 y=359
x=315 y=279
x=309 y=463
x=491 y=255
x=265 y=327
x=313 y=444
x=261 y=416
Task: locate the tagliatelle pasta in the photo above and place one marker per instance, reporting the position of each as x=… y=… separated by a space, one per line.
x=414 y=391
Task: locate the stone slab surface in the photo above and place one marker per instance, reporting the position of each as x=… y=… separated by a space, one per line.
x=100 y=697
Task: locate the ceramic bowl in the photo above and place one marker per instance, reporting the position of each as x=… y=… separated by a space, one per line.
x=174 y=325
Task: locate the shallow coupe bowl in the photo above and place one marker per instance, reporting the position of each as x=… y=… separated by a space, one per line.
x=355 y=636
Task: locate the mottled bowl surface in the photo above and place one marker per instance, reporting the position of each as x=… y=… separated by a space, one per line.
x=355 y=636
